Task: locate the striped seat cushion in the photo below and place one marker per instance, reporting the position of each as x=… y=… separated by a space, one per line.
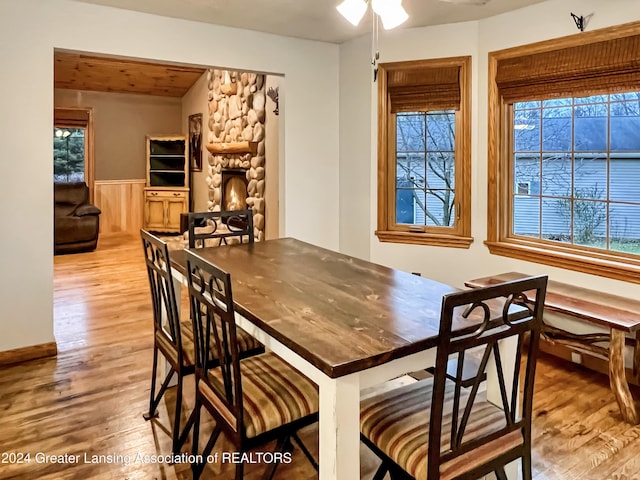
x=274 y=393
x=246 y=342
x=188 y=350
x=397 y=422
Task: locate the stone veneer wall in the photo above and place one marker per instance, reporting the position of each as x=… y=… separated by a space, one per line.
x=236 y=114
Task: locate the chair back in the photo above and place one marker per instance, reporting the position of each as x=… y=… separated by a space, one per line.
x=214 y=325
x=163 y=295
x=220 y=226
x=481 y=319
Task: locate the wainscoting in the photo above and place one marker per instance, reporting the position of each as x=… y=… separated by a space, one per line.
x=122 y=205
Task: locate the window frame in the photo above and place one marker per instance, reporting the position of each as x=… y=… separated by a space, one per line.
x=458 y=236
x=500 y=239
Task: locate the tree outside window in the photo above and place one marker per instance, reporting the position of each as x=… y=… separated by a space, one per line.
x=68 y=154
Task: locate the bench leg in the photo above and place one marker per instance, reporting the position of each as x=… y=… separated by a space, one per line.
x=636 y=357
x=618 y=379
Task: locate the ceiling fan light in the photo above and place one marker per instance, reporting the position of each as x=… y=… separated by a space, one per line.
x=393 y=16
x=353 y=10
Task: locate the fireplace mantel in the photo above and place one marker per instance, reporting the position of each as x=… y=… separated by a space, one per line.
x=233 y=148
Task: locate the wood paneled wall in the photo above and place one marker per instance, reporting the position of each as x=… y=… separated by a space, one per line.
x=122 y=205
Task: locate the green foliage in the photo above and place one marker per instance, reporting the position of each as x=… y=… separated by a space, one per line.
x=68 y=154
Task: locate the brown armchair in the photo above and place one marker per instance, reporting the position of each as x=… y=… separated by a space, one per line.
x=76 y=221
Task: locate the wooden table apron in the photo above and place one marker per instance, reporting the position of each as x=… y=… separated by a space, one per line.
x=346 y=323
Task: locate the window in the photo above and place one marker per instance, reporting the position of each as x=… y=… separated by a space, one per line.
x=68 y=154
x=73 y=146
x=423 y=152
x=565 y=153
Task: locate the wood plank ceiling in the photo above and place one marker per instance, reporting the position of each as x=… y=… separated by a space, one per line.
x=107 y=74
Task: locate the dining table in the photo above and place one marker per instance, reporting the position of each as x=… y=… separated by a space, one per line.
x=346 y=323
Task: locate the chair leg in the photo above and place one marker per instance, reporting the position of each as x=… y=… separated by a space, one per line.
x=526 y=465
x=152 y=404
x=239 y=470
x=187 y=428
x=176 y=420
x=306 y=452
x=381 y=472
x=500 y=474
x=397 y=473
x=195 y=467
x=270 y=470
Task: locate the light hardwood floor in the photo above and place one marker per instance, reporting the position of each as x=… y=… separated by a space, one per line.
x=90 y=399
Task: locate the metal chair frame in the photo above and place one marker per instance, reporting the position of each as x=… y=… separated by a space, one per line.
x=239 y=224
x=164 y=300
x=487 y=334
x=211 y=301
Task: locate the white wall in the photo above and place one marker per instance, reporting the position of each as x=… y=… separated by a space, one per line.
x=195 y=101
x=121 y=122
x=29 y=32
x=550 y=19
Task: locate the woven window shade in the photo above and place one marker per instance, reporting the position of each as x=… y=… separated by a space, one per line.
x=596 y=68
x=70 y=118
x=419 y=89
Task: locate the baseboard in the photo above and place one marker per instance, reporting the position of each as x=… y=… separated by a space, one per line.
x=33 y=352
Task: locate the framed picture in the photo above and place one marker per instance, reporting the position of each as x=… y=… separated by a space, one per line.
x=195 y=142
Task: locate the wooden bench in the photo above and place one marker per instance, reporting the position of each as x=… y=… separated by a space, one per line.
x=620 y=315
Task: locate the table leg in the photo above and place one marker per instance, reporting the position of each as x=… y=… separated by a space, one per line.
x=618 y=380
x=339 y=427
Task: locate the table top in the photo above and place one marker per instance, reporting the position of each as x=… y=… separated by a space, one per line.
x=605 y=309
x=340 y=313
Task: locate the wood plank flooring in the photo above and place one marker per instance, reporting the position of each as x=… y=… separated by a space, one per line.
x=90 y=399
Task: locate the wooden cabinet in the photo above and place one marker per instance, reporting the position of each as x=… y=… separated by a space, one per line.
x=167 y=190
x=163 y=209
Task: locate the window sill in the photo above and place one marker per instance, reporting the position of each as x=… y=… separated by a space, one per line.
x=604 y=265
x=433 y=239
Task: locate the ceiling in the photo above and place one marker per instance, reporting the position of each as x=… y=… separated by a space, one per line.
x=110 y=74
x=311 y=19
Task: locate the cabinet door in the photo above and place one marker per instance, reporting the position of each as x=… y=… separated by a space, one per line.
x=155 y=213
x=176 y=206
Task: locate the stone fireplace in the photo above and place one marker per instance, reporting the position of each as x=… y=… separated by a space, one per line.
x=236 y=143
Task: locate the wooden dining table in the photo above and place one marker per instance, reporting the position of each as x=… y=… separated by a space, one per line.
x=348 y=324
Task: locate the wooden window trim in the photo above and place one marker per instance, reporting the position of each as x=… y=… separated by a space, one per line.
x=500 y=241
x=458 y=236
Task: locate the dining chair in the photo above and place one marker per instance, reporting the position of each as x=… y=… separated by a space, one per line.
x=252 y=400
x=436 y=429
x=173 y=338
x=221 y=227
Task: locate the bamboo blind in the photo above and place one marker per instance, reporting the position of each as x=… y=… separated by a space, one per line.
x=70 y=117
x=596 y=68
x=424 y=88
